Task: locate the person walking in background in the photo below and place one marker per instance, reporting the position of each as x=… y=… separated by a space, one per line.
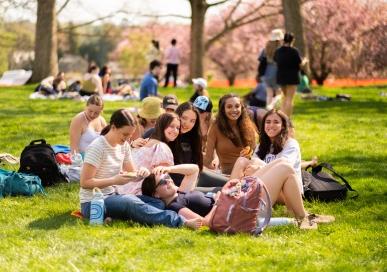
x=270 y=74
x=288 y=61
x=172 y=57
x=149 y=83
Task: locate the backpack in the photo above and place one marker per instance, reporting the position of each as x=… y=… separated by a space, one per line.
x=321 y=185
x=39 y=158
x=239 y=207
x=13 y=183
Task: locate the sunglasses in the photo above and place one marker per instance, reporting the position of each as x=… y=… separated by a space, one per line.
x=164 y=180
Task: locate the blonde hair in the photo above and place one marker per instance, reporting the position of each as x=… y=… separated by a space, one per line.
x=270 y=48
x=95 y=99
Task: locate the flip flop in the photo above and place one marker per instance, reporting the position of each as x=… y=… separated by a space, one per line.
x=321 y=219
x=306 y=224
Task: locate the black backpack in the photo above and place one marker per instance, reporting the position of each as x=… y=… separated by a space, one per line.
x=321 y=185
x=38 y=158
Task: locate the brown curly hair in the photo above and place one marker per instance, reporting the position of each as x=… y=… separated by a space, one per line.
x=247 y=130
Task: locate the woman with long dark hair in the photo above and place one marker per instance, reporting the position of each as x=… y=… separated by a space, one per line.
x=288 y=61
x=231 y=135
x=189 y=142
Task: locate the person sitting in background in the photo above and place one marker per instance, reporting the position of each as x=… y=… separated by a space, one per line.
x=256 y=115
x=170 y=103
x=257 y=96
x=200 y=85
x=304 y=86
x=87 y=125
x=92 y=83
x=52 y=85
x=147 y=115
x=149 y=83
x=204 y=105
x=105 y=75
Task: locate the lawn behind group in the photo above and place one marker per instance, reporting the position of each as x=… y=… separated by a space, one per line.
x=38 y=233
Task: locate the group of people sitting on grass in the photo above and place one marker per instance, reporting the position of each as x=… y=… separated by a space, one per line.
x=94 y=81
x=176 y=153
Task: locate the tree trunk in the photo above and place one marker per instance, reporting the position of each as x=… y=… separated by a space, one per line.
x=231 y=80
x=294 y=23
x=46 y=58
x=198 y=10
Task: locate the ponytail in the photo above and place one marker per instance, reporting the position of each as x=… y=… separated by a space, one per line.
x=106 y=129
x=119 y=119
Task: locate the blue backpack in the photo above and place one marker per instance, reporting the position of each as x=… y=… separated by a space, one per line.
x=14 y=184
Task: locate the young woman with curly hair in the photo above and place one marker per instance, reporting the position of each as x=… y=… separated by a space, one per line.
x=232 y=134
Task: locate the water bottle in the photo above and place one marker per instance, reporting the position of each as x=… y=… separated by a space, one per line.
x=97 y=207
x=278 y=221
x=76 y=159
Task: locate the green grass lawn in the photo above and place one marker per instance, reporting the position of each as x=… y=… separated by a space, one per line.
x=38 y=233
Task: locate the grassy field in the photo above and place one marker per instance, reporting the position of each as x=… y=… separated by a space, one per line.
x=38 y=233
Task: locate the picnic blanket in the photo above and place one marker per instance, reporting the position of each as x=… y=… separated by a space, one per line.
x=15 y=77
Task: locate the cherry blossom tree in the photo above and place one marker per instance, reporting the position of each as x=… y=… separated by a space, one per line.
x=337 y=36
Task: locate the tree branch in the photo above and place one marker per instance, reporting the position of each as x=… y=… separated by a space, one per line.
x=87 y=23
x=62 y=7
x=166 y=15
x=236 y=24
x=216 y=3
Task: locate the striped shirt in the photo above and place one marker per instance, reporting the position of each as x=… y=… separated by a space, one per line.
x=108 y=160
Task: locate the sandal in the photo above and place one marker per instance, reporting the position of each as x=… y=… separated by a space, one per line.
x=306 y=223
x=321 y=219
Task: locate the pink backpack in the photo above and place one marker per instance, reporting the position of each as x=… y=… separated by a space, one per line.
x=240 y=205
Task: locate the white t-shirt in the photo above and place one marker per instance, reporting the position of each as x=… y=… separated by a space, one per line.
x=291 y=152
x=108 y=160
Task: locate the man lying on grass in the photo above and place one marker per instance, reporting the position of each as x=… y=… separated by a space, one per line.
x=278 y=176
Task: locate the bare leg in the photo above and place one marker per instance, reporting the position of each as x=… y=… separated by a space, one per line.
x=287 y=104
x=269 y=96
x=282 y=179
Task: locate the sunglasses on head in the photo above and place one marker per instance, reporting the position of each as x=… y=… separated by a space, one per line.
x=164 y=180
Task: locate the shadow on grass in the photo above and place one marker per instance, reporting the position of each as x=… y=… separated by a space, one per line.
x=54 y=222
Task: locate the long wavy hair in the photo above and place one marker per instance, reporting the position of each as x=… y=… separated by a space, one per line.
x=162 y=123
x=279 y=141
x=194 y=136
x=247 y=130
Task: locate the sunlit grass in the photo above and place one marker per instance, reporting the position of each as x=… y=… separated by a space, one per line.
x=38 y=233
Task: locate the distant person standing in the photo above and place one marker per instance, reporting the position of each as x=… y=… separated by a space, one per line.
x=172 y=57
x=149 y=83
x=288 y=60
x=154 y=52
